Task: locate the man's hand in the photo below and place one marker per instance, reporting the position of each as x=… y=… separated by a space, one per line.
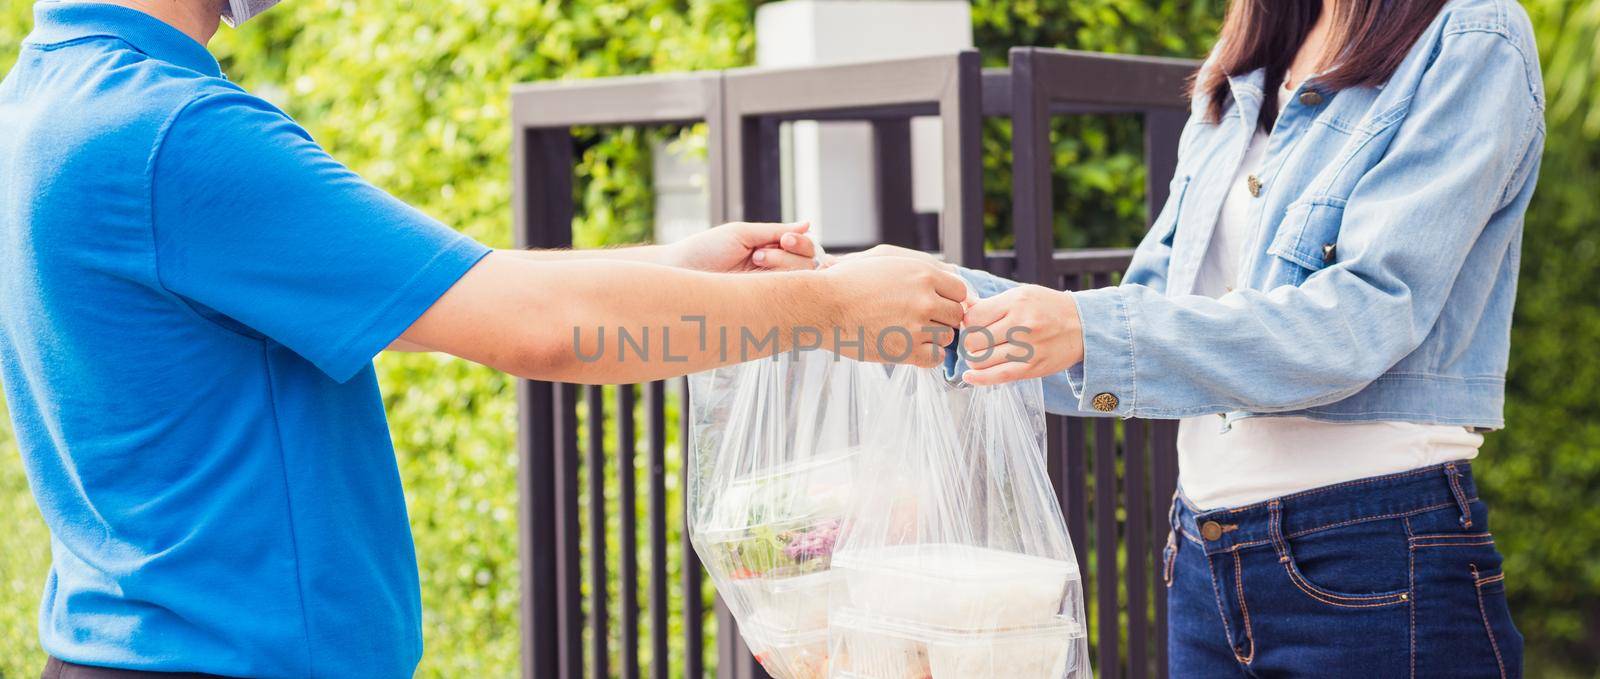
x=1027 y=331
x=743 y=246
x=903 y=310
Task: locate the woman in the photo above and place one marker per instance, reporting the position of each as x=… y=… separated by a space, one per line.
x=1325 y=304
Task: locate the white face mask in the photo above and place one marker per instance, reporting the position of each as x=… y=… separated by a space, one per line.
x=236 y=12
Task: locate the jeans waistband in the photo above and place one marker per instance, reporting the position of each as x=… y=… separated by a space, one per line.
x=56 y=668
x=1379 y=497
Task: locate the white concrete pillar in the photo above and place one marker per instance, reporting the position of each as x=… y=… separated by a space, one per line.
x=678 y=170
x=828 y=166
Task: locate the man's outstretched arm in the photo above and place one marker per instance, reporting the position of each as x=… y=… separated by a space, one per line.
x=732 y=247
x=543 y=319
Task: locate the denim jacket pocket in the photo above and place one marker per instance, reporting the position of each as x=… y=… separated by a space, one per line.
x=1309 y=234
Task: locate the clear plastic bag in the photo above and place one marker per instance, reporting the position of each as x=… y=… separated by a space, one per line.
x=772 y=475
x=957 y=564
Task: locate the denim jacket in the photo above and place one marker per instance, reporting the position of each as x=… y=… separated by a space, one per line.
x=1379 y=282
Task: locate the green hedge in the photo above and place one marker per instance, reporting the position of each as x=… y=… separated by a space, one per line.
x=413 y=96
x=24 y=542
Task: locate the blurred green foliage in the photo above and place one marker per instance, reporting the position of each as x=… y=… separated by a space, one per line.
x=24 y=558
x=1541 y=475
x=24 y=540
x=413 y=96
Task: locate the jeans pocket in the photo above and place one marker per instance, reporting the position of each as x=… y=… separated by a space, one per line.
x=1462 y=626
x=1497 y=625
x=1360 y=566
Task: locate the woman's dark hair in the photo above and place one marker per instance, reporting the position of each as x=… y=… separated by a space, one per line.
x=1368 y=40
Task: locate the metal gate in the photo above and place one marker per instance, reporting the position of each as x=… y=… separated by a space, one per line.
x=1100 y=467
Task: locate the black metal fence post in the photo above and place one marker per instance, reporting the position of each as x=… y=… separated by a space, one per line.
x=1032 y=163
x=543 y=158
x=628 y=556
x=891 y=151
x=656 y=406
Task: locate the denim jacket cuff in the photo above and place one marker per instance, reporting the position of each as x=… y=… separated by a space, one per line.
x=986 y=284
x=980 y=284
x=1104 y=382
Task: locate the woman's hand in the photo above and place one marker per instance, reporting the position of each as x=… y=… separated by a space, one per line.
x=1027 y=331
x=744 y=246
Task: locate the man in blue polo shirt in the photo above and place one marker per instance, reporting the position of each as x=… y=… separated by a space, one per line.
x=191 y=295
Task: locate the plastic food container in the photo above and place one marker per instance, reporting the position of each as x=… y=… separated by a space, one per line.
x=788 y=655
x=790 y=604
x=785 y=549
x=810 y=487
x=957 y=586
x=1043 y=652
x=781 y=524
x=864 y=650
x=866 y=647
x=769 y=547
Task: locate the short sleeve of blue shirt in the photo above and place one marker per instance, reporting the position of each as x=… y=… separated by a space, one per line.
x=254 y=223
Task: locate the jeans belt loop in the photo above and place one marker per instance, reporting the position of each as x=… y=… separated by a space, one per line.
x=1453 y=474
x=1280 y=543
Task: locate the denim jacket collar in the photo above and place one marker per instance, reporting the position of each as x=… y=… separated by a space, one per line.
x=1249 y=94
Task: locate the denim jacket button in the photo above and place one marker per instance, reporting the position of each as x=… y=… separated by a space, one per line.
x=1105 y=402
x=1254 y=184
x=1310 y=98
x=1328 y=251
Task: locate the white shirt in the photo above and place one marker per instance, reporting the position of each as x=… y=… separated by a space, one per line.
x=1261 y=458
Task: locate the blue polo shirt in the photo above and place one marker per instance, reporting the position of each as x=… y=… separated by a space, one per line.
x=191 y=295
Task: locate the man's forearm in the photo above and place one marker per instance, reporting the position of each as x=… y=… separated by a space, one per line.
x=636 y=322
x=649 y=254
x=617 y=321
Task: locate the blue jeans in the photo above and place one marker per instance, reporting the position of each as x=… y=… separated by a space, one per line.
x=1390 y=576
